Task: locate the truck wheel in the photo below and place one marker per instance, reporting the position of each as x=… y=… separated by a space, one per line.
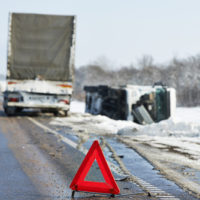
x=18 y=109
x=10 y=111
x=61 y=113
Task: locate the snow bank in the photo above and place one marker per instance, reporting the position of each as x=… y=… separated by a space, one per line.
x=85 y=123
x=179 y=134
x=185 y=123
x=90 y=124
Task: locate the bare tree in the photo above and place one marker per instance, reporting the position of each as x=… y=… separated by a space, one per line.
x=182 y=74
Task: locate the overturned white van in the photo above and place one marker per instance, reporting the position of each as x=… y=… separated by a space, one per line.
x=141 y=104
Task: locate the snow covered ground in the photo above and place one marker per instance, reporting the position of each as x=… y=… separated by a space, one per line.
x=2 y=85
x=173 y=145
x=77 y=106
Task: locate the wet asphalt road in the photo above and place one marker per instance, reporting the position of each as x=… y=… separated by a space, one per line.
x=14 y=183
x=34 y=164
x=37 y=165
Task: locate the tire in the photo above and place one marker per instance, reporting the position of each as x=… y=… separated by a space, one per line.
x=61 y=113
x=19 y=109
x=10 y=111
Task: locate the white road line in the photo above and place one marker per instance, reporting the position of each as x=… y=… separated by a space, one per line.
x=115 y=168
x=64 y=139
x=71 y=143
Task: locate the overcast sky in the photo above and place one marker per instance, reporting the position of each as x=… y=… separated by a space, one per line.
x=120 y=30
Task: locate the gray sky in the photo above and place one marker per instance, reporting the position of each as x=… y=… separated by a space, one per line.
x=120 y=30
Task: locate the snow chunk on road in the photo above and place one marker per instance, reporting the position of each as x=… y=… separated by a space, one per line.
x=93 y=124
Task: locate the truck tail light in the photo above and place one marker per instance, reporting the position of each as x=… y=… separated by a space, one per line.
x=65 y=86
x=11 y=82
x=66 y=101
x=12 y=99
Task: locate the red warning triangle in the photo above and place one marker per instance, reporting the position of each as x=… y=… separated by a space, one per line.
x=79 y=183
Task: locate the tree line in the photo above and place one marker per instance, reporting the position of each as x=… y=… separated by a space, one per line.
x=181 y=74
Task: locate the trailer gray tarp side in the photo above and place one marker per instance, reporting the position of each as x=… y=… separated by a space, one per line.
x=41 y=45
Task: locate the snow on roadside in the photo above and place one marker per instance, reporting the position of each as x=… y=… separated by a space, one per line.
x=173 y=146
x=185 y=123
x=77 y=106
x=96 y=125
x=86 y=123
x=2 y=85
x=179 y=135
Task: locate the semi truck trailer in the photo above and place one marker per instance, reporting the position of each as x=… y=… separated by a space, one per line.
x=40 y=63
